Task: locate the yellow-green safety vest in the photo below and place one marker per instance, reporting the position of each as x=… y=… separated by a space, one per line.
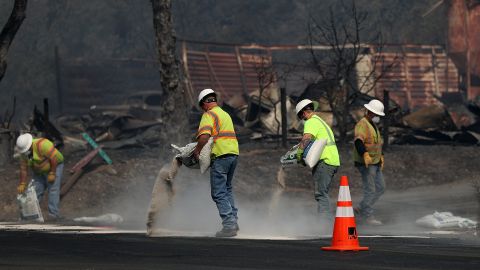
x=320 y=130
x=218 y=124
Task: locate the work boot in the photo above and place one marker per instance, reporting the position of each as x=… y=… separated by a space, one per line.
x=227 y=232
x=372 y=221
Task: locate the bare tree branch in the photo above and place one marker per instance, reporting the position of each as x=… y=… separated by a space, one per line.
x=9 y=31
x=339 y=64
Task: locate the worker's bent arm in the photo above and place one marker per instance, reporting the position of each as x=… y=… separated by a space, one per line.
x=201 y=141
x=307 y=137
x=53 y=164
x=360 y=147
x=23 y=171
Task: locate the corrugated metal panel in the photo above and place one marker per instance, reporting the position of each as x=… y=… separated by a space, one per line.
x=225 y=72
x=414 y=80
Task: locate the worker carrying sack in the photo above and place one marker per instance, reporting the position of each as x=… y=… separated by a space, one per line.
x=311 y=154
x=29 y=205
x=185 y=155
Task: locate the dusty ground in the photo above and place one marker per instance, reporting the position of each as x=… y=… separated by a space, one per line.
x=126 y=189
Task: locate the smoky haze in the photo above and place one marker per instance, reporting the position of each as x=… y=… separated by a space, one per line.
x=280 y=214
x=116 y=29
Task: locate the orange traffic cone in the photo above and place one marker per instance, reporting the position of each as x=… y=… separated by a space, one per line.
x=345 y=235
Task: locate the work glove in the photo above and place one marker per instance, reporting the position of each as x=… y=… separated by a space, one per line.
x=367 y=159
x=300 y=157
x=51 y=177
x=21 y=187
x=382 y=162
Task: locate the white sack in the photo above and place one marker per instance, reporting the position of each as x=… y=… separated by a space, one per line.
x=185 y=154
x=313 y=152
x=205 y=156
x=29 y=205
x=290 y=158
x=109 y=219
x=440 y=220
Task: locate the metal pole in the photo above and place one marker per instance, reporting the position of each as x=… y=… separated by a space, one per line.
x=283 y=100
x=386 y=119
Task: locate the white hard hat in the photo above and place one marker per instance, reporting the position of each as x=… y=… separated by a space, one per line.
x=24 y=142
x=302 y=104
x=375 y=106
x=204 y=93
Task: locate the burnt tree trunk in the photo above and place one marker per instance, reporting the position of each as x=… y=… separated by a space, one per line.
x=174 y=114
x=9 y=30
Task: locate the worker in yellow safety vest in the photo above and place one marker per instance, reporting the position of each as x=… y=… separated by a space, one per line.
x=368 y=158
x=46 y=163
x=216 y=123
x=314 y=129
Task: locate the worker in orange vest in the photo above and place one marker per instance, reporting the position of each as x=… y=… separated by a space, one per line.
x=368 y=158
x=46 y=163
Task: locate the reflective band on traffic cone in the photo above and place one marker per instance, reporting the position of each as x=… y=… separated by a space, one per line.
x=345 y=235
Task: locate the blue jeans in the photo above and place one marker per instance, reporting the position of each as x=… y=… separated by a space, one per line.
x=221 y=175
x=373 y=188
x=41 y=184
x=322 y=178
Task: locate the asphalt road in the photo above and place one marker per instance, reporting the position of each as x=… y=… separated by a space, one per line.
x=38 y=250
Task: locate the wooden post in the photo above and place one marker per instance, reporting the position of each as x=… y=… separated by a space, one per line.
x=46 y=118
x=283 y=100
x=190 y=93
x=467 y=52
x=386 y=119
x=434 y=69
x=242 y=73
x=407 y=79
x=58 y=81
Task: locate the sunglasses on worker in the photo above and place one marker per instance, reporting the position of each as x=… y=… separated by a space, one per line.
x=210 y=100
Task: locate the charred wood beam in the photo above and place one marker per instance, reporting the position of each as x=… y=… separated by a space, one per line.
x=42 y=124
x=9 y=31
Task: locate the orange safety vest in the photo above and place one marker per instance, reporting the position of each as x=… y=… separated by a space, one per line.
x=370 y=136
x=40 y=162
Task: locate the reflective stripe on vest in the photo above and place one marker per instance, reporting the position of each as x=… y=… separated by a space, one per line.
x=37 y=148
x=217 y=134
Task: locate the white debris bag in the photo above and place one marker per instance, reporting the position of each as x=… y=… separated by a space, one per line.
x=290 y=158
x=185 y=155
x=311 y=154
x=29 y=205
x=205 y=156
x=442 y=220
x=107 y=219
